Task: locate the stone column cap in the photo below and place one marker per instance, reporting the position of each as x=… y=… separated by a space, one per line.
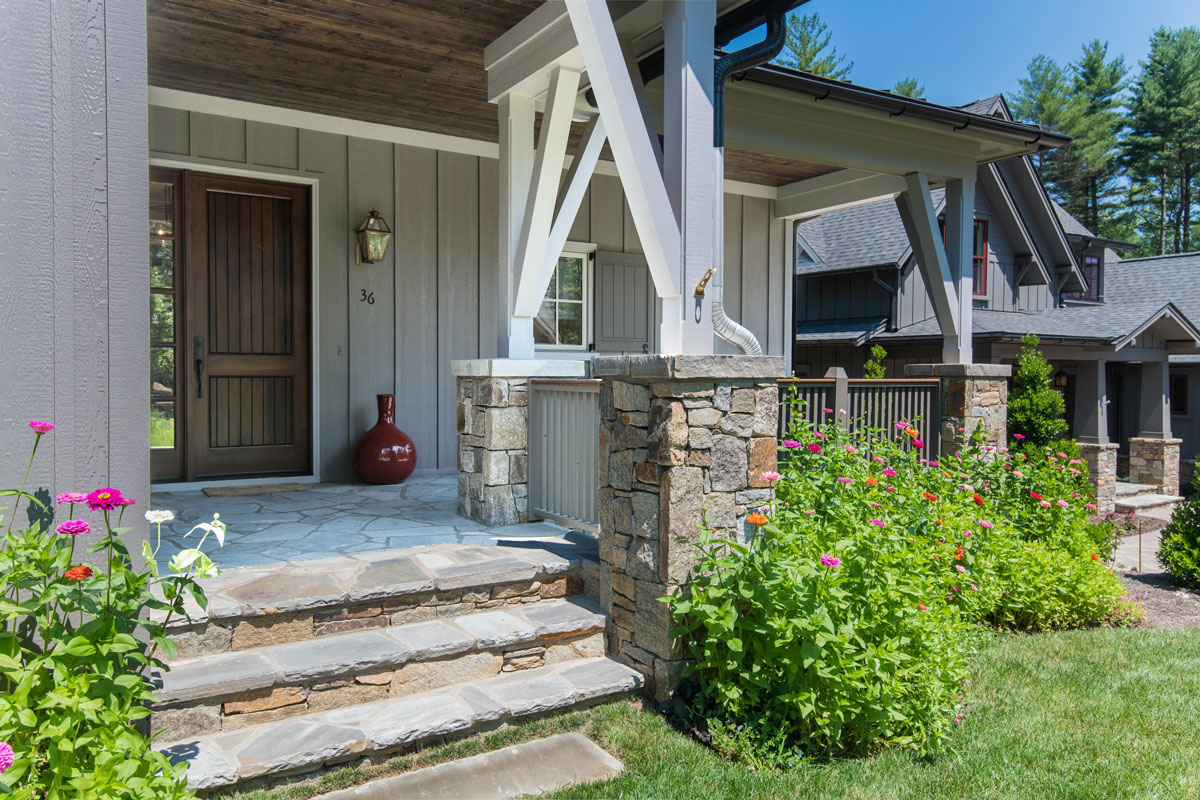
x=689 y=367
x=518 y=368
x=1168 y=440
x=957 y=370
x=1084 y=445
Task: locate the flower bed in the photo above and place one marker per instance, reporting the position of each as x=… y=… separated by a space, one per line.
x=841 y=627
x=75 y=647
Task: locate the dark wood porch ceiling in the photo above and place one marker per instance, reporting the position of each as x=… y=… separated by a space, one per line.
x=414 y=64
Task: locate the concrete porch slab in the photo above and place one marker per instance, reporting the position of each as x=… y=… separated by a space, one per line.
x=335 y=519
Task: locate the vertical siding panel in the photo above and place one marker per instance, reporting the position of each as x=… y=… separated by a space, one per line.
x=732 y=278
x=169 y=131
x=325 y=155
x=222 y=138
x=631 y=242
x=581 y=228
x=372 y=325
x=607 y=209
x=417 y=300
x=458 y=295
x=270 y=145
x=756 y=229
x=489 y=257
x=779 y=285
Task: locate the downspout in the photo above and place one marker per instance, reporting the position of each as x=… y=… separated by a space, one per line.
x=742 y=60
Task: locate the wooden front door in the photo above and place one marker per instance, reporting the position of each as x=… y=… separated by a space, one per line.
x=243 y=352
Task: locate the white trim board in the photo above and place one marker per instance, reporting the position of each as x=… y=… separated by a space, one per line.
x=327 y=123
x=314 y=184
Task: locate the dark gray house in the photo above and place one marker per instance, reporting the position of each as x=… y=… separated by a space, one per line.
x=1109 y=326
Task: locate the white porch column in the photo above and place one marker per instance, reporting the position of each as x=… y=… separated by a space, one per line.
x=960 y=241
x=516 y=170
x=689 y=163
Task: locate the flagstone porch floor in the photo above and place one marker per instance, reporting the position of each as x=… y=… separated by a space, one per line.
x=331 y=519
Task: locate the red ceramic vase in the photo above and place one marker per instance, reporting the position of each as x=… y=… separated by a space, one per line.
x=385 y=454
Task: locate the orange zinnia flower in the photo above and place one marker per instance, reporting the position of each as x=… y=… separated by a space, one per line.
x=756 y=518
x=79 y=573
x=960 y=553
x=872 y=481
x=911 y=432
x=930 y=497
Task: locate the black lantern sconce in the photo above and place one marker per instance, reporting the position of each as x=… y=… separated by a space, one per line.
x=374 y=236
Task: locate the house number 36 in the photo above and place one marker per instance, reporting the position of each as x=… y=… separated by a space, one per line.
x=367 y=297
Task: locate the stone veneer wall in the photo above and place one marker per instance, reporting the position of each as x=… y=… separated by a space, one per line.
x=970 y=394
x=1102 y=470
x=684 y=441
x=493 y=449
x=1155 y=462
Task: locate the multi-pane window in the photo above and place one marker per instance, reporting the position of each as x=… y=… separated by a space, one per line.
x=163 y=312
x=1091 y=273
x=562 y=319
x=979 y=255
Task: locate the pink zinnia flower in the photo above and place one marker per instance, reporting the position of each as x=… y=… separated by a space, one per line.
x=40 y=427
x=918 y=443
x=810 y=511
x=827 y=410
x=104 y=499
x=69 y=497
x=1062 y=455
x=814 y=448
x=967 y=534
x=818 y=434
x=851 y=449
x=830 y=561
x=878 y=459
x=770 y=476
x=974 y=588
x=891 y=488
x=983 y=523
x=878 y=522
x=1018 y=473
x=1063 y=504
x=901 y=425
x=875 y=505
x=790 y=443
x=960 y=568
x=126 y=501
x=891 y=473
x=844 y=479
x=1089 y=506
x=6 y=757
x=1018 y=436
x=1044 y=503
x=73 y=527
x=1074 y=461
x=934 y=464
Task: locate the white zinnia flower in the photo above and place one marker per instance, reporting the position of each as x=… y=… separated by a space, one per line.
x=159 y=517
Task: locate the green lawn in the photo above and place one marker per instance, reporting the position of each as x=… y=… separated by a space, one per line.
x=1085 y=714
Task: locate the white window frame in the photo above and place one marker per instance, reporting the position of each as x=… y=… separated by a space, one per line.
x=585 y=251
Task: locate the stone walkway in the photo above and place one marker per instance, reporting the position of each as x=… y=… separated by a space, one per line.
x=332 y=519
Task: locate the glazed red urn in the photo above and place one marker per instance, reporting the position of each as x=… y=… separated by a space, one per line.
x=385 y=454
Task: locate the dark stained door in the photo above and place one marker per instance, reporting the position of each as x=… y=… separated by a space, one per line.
x=245 y=351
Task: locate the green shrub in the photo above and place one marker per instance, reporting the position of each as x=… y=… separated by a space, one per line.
x=1036 y=410
x=1179 y=547
x=75 y=646
x=874 y=367
x=842 y=621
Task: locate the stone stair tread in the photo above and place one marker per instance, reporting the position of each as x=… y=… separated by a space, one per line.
x=305 y=742
x=1148 y=500
x=284 y=586
x=1125 y=488
x=340 y=654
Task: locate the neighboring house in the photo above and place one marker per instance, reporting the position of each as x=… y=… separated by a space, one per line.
x=1035 y=269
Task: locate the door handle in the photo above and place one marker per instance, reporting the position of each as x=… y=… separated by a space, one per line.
x=198 y=349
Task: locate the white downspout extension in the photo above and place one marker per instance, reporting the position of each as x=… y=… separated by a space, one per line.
x=737 y=335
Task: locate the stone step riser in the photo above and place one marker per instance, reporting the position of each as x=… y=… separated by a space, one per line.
x=269 y=627
x=239 y=709
x=263 y=754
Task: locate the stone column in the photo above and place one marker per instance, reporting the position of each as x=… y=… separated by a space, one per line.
x=684 y=441
x=1091 y=431
x=969 y=394
x=493 y=434
x=1153 y=453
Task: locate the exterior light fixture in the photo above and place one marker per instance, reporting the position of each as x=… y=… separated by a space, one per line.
x=1060 y=380
x=374 y=236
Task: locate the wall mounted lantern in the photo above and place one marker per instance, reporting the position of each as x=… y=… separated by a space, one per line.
x=374 y=236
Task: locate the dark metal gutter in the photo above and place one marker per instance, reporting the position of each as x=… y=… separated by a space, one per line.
x=896 y=105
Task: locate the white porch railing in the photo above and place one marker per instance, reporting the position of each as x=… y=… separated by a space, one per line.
x=564 y=455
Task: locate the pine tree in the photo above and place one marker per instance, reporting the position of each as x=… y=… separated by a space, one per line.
x=1093 y=116
x=1042 y=100
x=1162 y=150
x=808 y=48
x=1036 y=410
x=909 y=87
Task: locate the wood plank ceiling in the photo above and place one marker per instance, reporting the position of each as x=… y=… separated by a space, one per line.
x=415 y=64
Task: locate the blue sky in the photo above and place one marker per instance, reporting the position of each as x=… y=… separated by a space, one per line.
x=962 y=50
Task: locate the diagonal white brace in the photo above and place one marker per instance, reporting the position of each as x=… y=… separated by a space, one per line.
x=920 y=223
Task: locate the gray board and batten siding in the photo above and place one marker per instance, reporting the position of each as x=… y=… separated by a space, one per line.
x=74 y=313
x=434 y=295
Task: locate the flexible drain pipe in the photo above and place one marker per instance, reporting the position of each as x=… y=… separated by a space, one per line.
x=737 y=335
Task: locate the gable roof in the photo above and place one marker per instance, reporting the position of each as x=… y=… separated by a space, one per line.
x=869 y=235
x=1156 y=279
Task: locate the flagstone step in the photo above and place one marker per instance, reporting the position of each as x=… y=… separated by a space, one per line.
x=1127 y=489
x=309 y=742
x=1141 y=503
x=293 y=601
x=235 y=689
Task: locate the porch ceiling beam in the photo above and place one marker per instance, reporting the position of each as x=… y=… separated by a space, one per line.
x=918 y=214
x=635 y=149
x=539 y=208
x=837 y=190
x=523 y=58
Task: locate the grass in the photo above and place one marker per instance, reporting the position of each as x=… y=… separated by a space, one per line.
x=1083 y=714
